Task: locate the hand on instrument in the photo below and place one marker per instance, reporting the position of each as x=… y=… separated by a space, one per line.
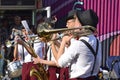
x=18 y=40
x=66 y=40
x=37 y=60
x=54 y=36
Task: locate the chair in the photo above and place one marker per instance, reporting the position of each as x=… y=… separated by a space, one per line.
x=113 y=64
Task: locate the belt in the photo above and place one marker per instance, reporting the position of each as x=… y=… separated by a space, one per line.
x=88 y=78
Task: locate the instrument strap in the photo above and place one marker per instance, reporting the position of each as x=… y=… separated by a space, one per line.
x=46 y=48
x=33 y=48
x=23 y=54
x=50 y=56
x=92 y=50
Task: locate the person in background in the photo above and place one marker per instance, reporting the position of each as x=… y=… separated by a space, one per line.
x=5 y=28
x=1 y=61
x=84 y=62
x=16 y=27
x=20 y=53
x=5 y=34
x=17 y=23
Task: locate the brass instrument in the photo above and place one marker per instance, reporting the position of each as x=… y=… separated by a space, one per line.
x=34 y=72
x=45 y=31
x=41 y=74
x=9 y=43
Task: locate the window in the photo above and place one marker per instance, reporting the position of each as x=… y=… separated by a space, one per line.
x=17 y=2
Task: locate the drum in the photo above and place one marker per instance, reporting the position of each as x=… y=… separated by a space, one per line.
x=14 y=69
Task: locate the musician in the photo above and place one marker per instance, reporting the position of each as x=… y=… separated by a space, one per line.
x=59 y=73
x=20 y=53
x=84 y=63
x=70 y=21
x=53 y=71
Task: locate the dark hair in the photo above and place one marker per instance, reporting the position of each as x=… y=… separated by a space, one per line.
x=70 y=15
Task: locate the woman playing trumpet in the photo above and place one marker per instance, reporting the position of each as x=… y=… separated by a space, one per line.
x=21 y=53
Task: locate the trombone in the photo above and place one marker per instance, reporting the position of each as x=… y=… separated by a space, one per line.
x=81 y=31
x=45 y=34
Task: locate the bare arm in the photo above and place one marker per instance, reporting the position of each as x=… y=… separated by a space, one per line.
x=65 y=42
x=15 y=53
x=28 y=47
x=55 y=45
x=61 y=50
x=42 y=61
x=54 y=50
x=50 y=63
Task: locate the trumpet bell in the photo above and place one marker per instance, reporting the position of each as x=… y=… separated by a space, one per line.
x=43 y=26
x=41 y=31
x=9 y=43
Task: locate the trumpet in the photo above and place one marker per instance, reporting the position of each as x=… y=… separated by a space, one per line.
x=9 y=43
x=33 y=39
